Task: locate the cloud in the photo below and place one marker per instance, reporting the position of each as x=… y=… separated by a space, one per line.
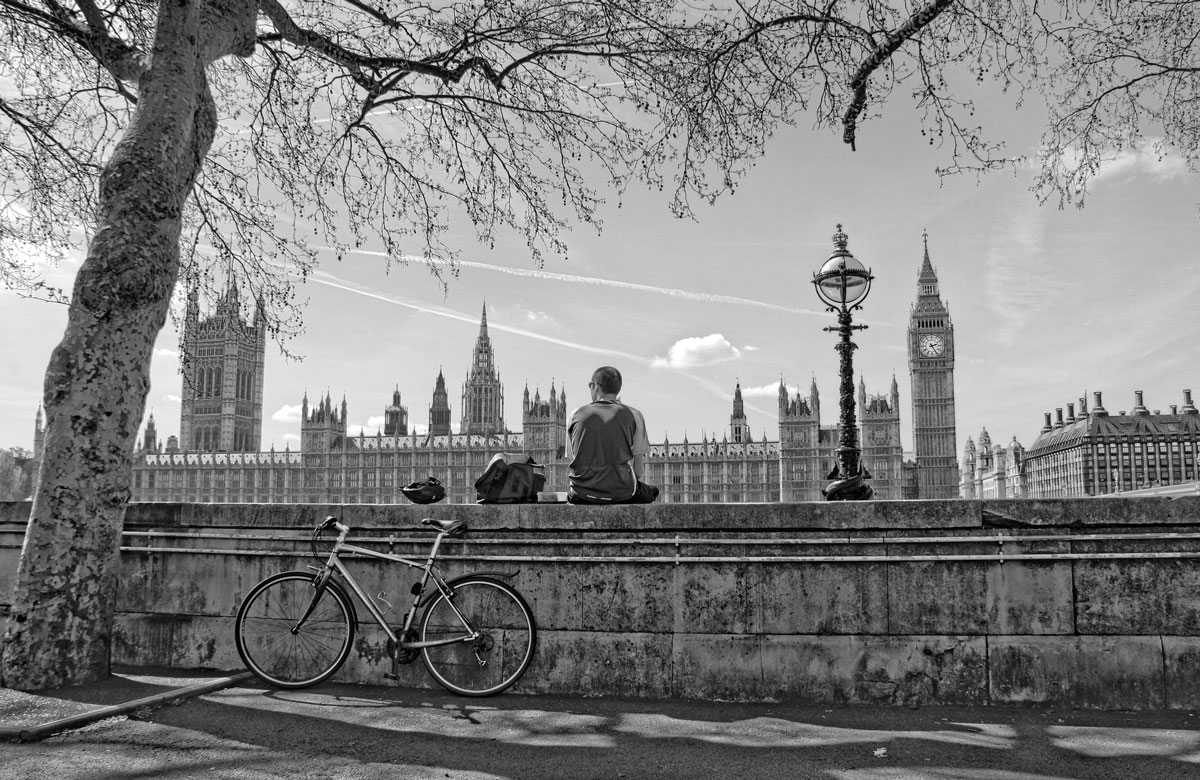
x=761 y=391
x=370 y=428
x=1015 y=276
x=163 y=352
x=173 y=398
x=289 y=413
x=1151 y=159
x=698 y=351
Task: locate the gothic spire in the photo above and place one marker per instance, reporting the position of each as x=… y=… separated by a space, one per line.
x=927 y=280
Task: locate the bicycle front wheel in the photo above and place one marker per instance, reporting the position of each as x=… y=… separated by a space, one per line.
x=275 y=650
x=500 y=654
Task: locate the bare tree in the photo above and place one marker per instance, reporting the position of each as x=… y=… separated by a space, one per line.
x=182 y=139
x=1122 y=77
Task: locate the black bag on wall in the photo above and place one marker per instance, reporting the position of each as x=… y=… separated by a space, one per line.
x=510 y=478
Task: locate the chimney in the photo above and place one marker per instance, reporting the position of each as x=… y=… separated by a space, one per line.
x=1174 y=409
x=1070 y=413
x=1046 y=428
x=1058 y=421
x=1188 y=406
x=1083 y=407
x=1097 y=407
x=1139 y=408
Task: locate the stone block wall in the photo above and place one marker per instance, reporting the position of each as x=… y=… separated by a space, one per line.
x=1084 y=603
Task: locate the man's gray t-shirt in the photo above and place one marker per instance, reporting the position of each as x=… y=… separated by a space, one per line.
x=603 y=437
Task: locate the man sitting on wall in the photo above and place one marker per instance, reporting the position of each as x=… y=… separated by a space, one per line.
x=606 y=445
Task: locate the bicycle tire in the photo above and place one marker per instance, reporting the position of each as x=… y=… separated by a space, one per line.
x=499 y=657
x=276 y=655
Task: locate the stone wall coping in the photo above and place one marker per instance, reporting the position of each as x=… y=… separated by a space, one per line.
x=763 y=517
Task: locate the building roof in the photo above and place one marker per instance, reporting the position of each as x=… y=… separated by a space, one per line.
x=1105 y=426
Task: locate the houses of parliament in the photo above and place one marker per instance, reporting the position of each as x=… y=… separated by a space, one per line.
x=218 y=458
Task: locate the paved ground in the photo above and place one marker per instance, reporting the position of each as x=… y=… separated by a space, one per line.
x=338 y=731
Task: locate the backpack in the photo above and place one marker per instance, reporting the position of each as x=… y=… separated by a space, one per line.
x=510 y=478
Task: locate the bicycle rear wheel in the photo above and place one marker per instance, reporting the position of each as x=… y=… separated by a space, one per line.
x=284 y=657
x=502 y=652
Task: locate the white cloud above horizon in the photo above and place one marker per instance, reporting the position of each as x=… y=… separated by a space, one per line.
x=696 y=351
x=372 y=426
x=1151 y=158
x=288 y=413
x=1015 y=258
x=761 y=391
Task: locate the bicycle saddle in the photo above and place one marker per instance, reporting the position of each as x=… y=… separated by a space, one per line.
x=448 y=527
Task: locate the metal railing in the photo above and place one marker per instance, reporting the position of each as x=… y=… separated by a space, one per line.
x=678 y=543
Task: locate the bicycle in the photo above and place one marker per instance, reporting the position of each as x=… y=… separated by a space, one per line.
x=476 y=635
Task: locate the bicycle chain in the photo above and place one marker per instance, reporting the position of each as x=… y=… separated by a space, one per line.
x=404 y=655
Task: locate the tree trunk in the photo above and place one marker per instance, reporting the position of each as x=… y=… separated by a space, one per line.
x=60 y=628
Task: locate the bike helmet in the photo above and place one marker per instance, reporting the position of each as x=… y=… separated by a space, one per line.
x=427 y=491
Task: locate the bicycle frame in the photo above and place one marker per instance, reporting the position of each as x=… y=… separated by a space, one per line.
x=429 y=571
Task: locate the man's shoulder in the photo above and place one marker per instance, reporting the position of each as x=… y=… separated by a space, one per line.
x=587 y=410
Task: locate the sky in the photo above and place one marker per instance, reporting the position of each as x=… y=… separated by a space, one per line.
x=1047 y=304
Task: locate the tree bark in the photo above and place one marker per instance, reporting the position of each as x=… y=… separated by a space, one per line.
x=60 y=628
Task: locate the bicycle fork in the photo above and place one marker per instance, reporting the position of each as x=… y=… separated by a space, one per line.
x=318 y=591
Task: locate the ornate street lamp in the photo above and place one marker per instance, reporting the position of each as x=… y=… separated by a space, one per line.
x=843 y=284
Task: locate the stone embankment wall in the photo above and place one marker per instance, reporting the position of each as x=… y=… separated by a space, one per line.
x=1084 y=603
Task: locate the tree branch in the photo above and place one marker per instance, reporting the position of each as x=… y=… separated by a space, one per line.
x=882 y=53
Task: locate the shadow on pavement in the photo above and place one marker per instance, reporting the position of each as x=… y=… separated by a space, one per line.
x=531 y=737
x=348 y=731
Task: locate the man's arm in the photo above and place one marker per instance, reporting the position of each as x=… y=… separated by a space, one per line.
x=641 y=445
x=568 y=450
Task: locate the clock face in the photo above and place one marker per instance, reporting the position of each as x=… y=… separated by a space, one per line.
x=932 y=345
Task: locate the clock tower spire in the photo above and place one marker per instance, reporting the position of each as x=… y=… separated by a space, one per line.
x=931 y=366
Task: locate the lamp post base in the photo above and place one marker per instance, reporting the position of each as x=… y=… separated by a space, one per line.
x=853 y=488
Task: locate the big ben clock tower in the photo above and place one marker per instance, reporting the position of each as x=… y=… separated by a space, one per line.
x=931 y=365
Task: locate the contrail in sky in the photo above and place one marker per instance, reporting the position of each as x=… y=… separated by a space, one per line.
x=573 y=279
x=320 y=277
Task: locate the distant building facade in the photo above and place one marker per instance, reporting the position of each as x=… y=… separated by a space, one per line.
x=218 y=457
x=1091 y=453
x=331 y=465
x=792 y=468
x=992 y=471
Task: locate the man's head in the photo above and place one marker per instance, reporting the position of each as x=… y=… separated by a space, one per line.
x=606 y=380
